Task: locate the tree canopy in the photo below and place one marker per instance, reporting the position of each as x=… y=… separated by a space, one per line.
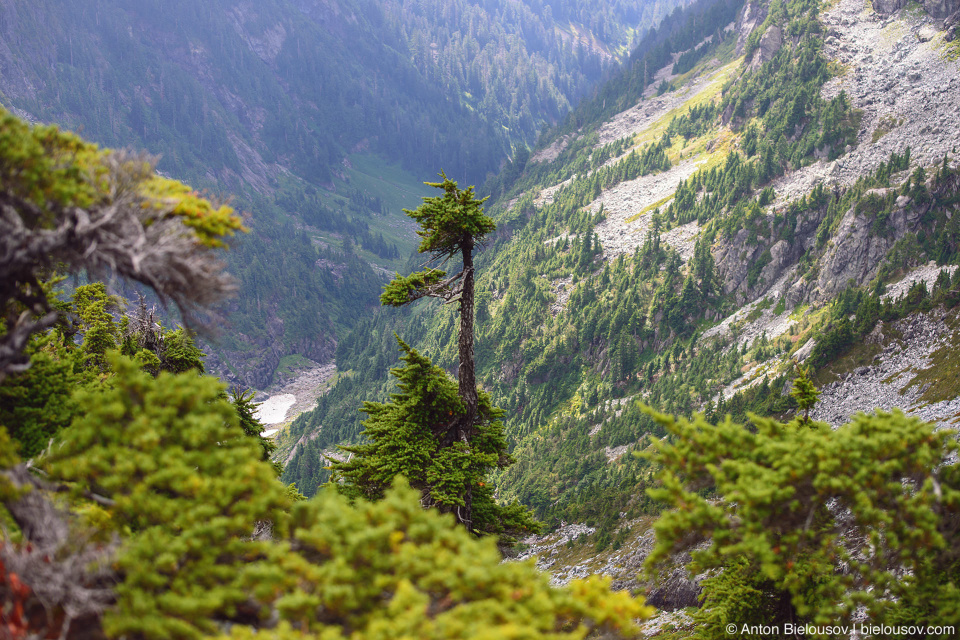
x=451 y=226
x=404 y=438
x=809 y=523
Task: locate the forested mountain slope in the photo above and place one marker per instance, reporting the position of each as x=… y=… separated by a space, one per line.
x=372 y=342
x=746 y=212
x=298 y=109
x=770 y=199
x=234 y=92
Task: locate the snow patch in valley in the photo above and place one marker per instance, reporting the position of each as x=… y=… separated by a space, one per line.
x=274 y=409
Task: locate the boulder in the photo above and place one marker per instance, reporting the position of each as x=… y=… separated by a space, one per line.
x=804 y=352
x=770 y=43
x=797 y=293
x=782 y=255
x=926 y=33
x=951 y=26
x=676 y=591
x=856 y=252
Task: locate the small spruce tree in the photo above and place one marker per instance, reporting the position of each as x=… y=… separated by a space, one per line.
x=805 y=393
x=405 y=437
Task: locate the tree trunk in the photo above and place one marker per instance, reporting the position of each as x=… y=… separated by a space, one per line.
x=468 y=509
x=467 y=375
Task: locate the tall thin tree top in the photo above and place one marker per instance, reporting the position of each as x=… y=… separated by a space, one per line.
x=450 y=224
x=451 y=221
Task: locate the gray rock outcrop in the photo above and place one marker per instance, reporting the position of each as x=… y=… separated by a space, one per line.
x=941 y=9
x=857 y=251
x=752 y=16
x=770 y=43
x=888 y=6
x=734 y=256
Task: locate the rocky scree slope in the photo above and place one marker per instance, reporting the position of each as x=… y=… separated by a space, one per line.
x=895 y=68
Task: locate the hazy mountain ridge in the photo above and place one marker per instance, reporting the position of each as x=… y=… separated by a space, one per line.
x=299 y=83
x=272 y=103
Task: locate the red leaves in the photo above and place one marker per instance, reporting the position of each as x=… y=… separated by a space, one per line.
x=15 y=594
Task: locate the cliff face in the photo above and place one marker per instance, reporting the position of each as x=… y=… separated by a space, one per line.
x=751 y=17
x=906 y=94
x=853 y=256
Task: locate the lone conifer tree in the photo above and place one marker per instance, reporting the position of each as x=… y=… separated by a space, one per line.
x=404 y=437
x=452 y=224
x=805 y=393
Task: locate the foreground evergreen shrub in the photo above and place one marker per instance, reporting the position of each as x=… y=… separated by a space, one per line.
x=809 y=523
x=207 y=541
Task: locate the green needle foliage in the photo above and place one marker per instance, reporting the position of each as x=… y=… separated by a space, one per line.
x=209 y=538
x=405 y=438
x=36 y=404
x=157 y=515
x=451 y=225
x=70 y=206
x=246 y=410
x=805 y=393
x=390 y=570
x=809 y=523
x=186 y=484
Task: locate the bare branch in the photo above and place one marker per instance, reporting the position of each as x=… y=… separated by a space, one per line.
x=129 y=236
